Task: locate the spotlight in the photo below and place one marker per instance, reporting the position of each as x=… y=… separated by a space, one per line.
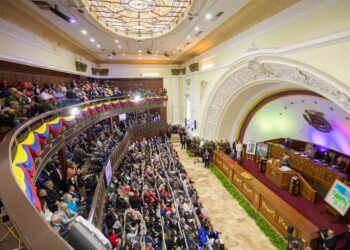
x=74 y=111
x=208 y=16
x=84 y=32
x=72 y=20
x=137 y=98
x=196 y=28
x=92 y=40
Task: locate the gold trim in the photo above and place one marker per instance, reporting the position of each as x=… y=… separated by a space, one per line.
x=18 y=13
x=135 y=61
x=250 y=15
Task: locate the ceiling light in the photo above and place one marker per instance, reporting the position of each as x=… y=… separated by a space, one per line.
x=140 y=51
x=116 y=40
x=208 y=16
x=84 y=32
x=188 y=37
x=123 y=54
x=196 y=28
x=72 y=20
x=119 y=46
x=98 y=46
x=92 y=40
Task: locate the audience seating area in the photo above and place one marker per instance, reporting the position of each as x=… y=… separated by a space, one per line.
x=25 y=100
x=152 y=203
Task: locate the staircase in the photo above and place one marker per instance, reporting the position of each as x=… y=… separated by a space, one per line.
x=175 y=139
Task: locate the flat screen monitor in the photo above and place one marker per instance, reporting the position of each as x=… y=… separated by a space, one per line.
x=108 y=172
x=189 y=123
x=122 y=117
x=338 y=197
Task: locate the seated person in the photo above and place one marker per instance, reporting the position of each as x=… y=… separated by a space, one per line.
x=340 y=163
x=287 y=143
x=326 y=158
x=310 y=151
x=286 y=161
x=61 y=228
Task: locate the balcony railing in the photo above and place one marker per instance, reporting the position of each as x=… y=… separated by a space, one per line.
x=34 y=231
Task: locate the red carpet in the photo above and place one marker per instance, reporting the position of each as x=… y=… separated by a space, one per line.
x=312 y=211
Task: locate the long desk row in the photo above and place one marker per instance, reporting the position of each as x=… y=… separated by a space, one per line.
x=278 y=212
x=311 y=170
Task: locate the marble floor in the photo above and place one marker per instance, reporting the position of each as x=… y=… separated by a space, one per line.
x=239 y=231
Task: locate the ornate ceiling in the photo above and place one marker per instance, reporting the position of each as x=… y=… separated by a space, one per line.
x=139 y=19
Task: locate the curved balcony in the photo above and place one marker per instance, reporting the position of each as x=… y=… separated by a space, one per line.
x=60 y=127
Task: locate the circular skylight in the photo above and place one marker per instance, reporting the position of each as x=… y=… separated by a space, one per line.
x=139 y=19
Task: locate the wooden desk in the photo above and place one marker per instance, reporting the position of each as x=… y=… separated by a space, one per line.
x=277 y=176
x=312 y=171
x=277 y=211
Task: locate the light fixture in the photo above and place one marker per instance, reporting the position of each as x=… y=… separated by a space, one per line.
x=119 y=46
x=72 y=20
x=92 y=40
x=74 y=111
x=207 y=66
x=116 y=41
x=98 y=46
x=150 y=74
x=123 y=16
x=188 y=37
x=84 y=32
x=137 y=98
x=140 y=51
x=208 y=16
x=123 y=54
x=196 y=28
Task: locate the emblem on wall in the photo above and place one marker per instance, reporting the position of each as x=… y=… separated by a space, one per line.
x=316 y=119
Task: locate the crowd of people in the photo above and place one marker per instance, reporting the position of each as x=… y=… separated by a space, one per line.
x=20 y=103
x=153 y=203
x=66 y=195
x=205 y=148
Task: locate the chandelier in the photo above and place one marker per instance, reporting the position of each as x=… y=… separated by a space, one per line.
x=139 y=19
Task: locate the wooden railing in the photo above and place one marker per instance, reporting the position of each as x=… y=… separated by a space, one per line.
x=28 y=223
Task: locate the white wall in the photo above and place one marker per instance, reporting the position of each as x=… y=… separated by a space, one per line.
x=283 y=117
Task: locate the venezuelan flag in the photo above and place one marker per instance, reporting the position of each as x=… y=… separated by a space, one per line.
x=92 y=109
x=33 y=143
x=23 y=157
x=55 y=126
x=99 y=107
x=85 y=111
x=116 y=104
x=68 y=120
x=107 y=105
x=43 y=133
x=26 y=184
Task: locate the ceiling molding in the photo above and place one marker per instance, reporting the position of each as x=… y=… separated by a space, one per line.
x=136 y=61
x=255 y=12
x=18 y=13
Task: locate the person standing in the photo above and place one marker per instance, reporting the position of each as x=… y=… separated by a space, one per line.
x=183 y=141
x=206 y=158
x=239 y=149
x=188 y=143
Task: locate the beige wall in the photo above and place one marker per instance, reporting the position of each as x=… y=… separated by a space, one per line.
x=320 y=41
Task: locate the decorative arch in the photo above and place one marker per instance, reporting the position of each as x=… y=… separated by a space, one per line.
x=262 y=102
x=268 y=69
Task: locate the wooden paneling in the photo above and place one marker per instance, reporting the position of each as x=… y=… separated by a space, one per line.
x=307 y=168
x=278 y=212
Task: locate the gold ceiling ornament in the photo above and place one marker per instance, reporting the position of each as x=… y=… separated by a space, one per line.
x=139 y=19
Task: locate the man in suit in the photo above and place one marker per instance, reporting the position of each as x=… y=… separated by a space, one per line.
x=329 y=240
x=340 y=163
